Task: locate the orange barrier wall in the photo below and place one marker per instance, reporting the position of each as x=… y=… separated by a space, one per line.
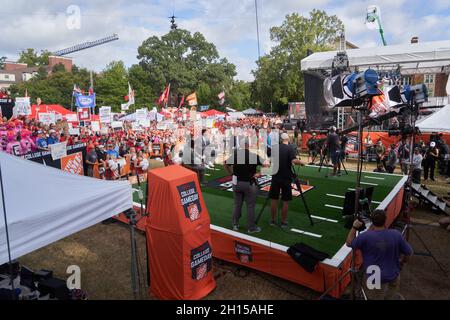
x=178 y=236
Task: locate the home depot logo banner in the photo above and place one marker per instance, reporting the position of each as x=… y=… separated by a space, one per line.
x=243 y=252
x=190 y=201
x=73 y=163
x=201 y=261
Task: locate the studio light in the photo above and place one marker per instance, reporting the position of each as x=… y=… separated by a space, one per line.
x=347 y=90
x=416 y=94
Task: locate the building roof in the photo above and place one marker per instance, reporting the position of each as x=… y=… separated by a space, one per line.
x=404 y=54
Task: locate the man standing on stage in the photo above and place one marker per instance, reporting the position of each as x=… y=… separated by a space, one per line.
x=244 y=174
x=334 y=148
x=282 y=180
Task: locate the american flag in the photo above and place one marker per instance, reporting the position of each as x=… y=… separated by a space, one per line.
x=221 y=97
x=76 y=90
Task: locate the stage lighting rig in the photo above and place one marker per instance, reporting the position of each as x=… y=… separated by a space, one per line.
x=352 y=89
x=416 y=94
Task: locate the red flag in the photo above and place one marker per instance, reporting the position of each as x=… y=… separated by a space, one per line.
x=165 y=95
x=181 y=103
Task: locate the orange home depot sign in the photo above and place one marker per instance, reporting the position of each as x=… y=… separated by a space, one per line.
x=73 y=163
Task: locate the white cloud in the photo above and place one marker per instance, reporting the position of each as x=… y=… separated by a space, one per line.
x=226 y=23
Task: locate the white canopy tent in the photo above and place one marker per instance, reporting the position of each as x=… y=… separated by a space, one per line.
x=436 y=122
x=410 y=56
x=236 y=115
x=44 y=204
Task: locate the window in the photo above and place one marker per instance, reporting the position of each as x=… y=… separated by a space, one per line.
x=406 y=81
x=6 y=76
x=429 y=80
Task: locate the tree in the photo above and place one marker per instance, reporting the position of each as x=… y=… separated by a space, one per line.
x=33 y=59
x=187 y=61
x=278 y=78
x=112 y=85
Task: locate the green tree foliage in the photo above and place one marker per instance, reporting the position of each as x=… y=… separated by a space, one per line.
x=278 y=78
x=55 y=88
x=34 y=59
x=111 y=85
x=188 y=62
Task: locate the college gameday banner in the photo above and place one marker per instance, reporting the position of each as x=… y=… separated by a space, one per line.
x=71 y=161
x=178 y=236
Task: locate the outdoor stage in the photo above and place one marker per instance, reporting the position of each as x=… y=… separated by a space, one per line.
x=266 y=251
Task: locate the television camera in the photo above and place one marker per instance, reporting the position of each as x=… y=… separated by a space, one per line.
x=363 y=213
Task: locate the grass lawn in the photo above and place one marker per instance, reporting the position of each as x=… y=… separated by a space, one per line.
x=327 y=191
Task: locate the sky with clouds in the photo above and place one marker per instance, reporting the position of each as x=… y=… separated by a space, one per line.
x=229 y=24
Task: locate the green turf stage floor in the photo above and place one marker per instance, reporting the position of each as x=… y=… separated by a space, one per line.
x=220 y=207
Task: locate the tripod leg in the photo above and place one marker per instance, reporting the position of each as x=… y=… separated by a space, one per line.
x=262 y=209
x=343 y=166
x=299 y=187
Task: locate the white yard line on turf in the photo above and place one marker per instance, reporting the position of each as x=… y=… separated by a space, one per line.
x=369 y=184
x=334 y=207
x=335 y=196
x=324 y=219
x=307 y=233
x=376 y=178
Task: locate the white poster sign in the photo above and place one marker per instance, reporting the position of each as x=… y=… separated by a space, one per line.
x=47 y=118
x=105 y=114
x=71 y=117
x=74 y=131
x=23 y=106
x=145 y=123
x=95 y=126
x=58 y=150
x=141 y=114
x=104 y=130
x=117 y=124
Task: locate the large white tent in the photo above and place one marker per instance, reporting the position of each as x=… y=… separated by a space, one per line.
x=410 y=56
x=436 y=122
x=45 y=204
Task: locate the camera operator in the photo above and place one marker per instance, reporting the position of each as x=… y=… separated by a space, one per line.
x=344 y=141
x=390 y=159
x=244 y=174
x=334 y=148
x=312 y=148
x=431 y=157
x=282 y=180
x=382 y=248
x=403 y=155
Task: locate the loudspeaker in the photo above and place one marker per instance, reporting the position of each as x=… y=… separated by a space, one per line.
x=5 y=268
x=56 y=288
x=42 y=275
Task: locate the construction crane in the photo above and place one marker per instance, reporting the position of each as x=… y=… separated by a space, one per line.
x=85 y=45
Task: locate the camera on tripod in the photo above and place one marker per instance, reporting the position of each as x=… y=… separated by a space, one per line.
x=363 y=213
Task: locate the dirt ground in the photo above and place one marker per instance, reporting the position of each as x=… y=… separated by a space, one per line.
x=103 y=254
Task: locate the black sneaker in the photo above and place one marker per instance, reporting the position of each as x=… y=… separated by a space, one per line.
x=284 y=225
x=272 y=223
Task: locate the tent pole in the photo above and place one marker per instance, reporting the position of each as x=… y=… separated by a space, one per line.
x=7 y=236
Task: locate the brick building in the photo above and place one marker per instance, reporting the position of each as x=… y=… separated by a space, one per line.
x=14 y=72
